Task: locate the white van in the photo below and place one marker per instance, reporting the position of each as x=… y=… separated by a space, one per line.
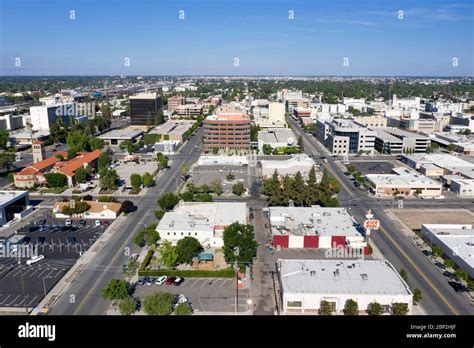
x=35 y=259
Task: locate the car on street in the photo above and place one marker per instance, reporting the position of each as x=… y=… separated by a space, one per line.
x=170 y=281
x=178 y=281
x=161 y=280
x=456 y=286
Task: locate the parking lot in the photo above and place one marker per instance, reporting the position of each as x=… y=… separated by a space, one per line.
x=23 y=285
x=218 y=296
x=207 y=174
x=379 y=167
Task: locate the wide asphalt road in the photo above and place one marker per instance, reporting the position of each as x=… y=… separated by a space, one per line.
x=438 y=297
x=108 y=263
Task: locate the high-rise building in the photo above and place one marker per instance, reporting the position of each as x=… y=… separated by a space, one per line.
x=144 y=109
x=227 y=131
x=175 y=101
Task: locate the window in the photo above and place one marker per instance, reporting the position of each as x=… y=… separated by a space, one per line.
x=195 y=233
x=294 y=304
x=174 y=233
x=168 y=233
x=181 y=233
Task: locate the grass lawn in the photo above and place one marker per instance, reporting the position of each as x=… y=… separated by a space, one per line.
x=56 y=190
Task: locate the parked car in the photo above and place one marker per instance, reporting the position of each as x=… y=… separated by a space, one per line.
x=161 y=280
x=97 y=223
x=106 y=223
x=71 y=240
x=149 y=281
x=34 y=228
x=170 y=281
x=68 y=222
x=35 y=259
x=141 y=280
x=82 y=222
x=178 y=281
x=457 y=287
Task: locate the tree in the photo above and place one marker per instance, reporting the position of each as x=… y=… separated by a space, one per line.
x=239 y=237
x=159 y=214
x=351 y=168
x=403 y=274
x=461 y=274
x=104 y=161
x=3 y=138
x=267 y=149
x=6 y=160
x=375 y=308
x=147 y=179
x=79 y=208
x=71 y=153
x=448 y=263
x=116 y=289
x=79 y=140
x=230 y=177
x=147 y=235
x=184 y=169
x=436 y=251
x=136 y=181
x=81 y=175
x=183 y=309
x=216 y=187
x=417 y=295
x=160 y=303
x=56 y=179
x=418 y=191
x=96 y=144
x=128 y=206
x=127 y=306
x=162 y=160
x=325 y=308
x=452 y=147
x=351 y=307
x=168 y=201
x=300 y=144
x=187 y=248
x=238 y=189
x=108 y=180
x=168 y=254
x=399 y=308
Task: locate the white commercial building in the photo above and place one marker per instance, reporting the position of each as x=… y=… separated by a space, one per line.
x=452 y=165
x=456 y=241
x=116 y=136
x=462 y=187
x=276 y=137
x=305 y=284
x=223 y=161
x=315 y=227
x=403 y=182
x=297 y=163
x=204 y=221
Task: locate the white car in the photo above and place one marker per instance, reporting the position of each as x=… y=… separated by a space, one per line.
x=161 y=280
x=97 y=223
x=35 y=259
x=68 y=222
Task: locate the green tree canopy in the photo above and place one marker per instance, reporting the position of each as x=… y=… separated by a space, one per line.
x=160 y=303
x=168 y=201
x=116 y=289
x=187 y=248
x=56 y=179
x=241 y=237
x=168 y=254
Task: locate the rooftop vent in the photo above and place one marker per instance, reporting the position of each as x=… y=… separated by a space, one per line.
x=312 y=273
x=364 y=276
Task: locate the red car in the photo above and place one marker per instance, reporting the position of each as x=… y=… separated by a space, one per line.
x=170 y=281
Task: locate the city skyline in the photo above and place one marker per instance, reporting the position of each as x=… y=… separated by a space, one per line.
x=271 y=38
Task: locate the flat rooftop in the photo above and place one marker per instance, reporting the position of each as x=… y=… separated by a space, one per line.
x=401 y=177
x=172 y=127
x=361 y=277
x=277 y=135
x=8 y=196
x=381 y=134
x=197 y=216
x=456 y=237
x=126 y=133
x=312 y=221
x=144 y=96
x=402 y=133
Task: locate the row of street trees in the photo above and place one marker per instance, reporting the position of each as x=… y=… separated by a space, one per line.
x=301 y=192
x=351 y=307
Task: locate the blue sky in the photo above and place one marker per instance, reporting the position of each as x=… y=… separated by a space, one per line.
x=258 y=33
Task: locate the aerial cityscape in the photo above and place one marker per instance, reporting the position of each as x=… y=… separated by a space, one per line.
x=263 y=158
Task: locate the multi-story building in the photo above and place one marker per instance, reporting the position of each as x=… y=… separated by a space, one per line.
x=189 y=110
x=371 y=121
x=174 y=130
x=144 y=109
x=42 y=117
x=227 y=131
x=12 y=203
x=175 y=101
x=403 y=182
x=272 y=117
x=462 y=119
x=304 y=284
x=343 y=137
x=409 y=141
x=11 y=122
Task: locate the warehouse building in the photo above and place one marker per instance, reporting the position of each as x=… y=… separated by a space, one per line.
x=297 y=163
x=456 y=241
x=305 y=284
x=315 y=227
x=117 y=136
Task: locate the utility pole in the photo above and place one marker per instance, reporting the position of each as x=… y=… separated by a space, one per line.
x=236 y=266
